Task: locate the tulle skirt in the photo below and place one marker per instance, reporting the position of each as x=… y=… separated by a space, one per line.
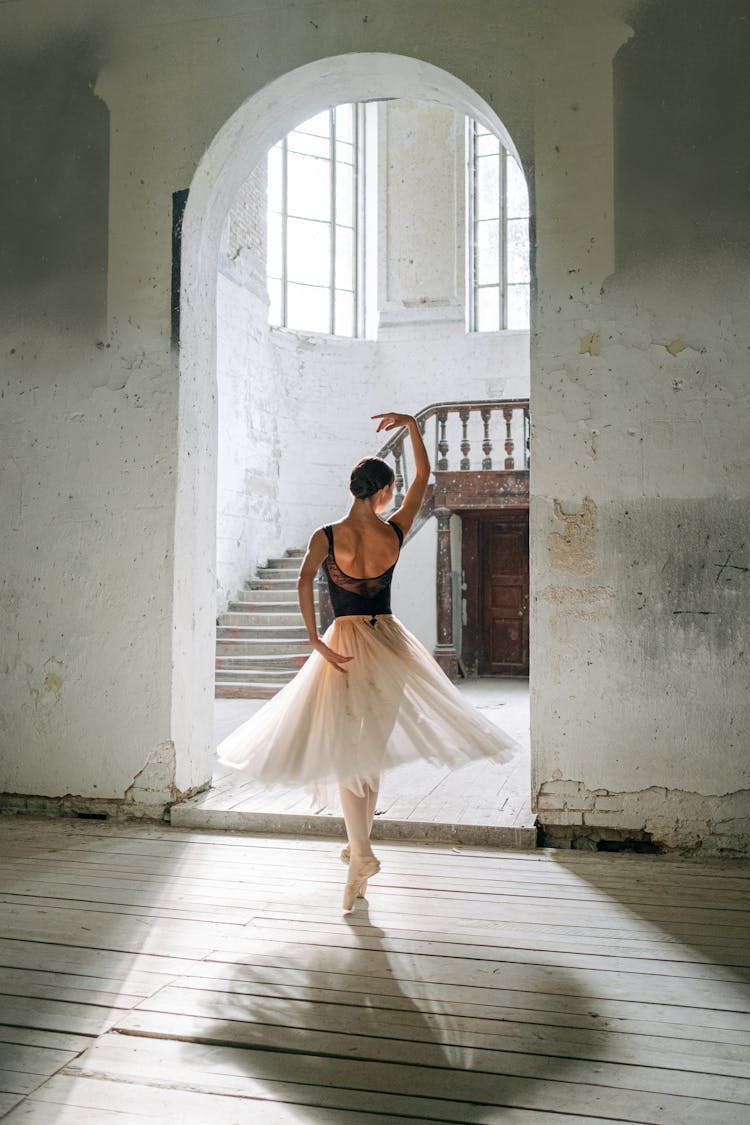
x=394 y=705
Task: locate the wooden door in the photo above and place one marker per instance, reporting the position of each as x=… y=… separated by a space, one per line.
x=504 y=582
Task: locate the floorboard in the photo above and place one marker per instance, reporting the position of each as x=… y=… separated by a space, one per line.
x=155 y=974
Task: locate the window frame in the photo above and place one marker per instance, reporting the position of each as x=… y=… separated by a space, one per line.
x=357 y=228
x=472 y=284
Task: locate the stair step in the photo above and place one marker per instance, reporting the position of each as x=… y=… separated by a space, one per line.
x=246 y=691
x=290 y=562
x=262 y=633
x=228 y=646
x=265 y=662
x=266 y=620
x=250 y=627
x=257 y=596
x=267 y=581
x=295 y=553
x=281 y=608
x=243 y=675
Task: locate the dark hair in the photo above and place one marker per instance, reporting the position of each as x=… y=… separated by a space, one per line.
x=368 y=477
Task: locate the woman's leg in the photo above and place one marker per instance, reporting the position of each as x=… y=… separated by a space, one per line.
x=372 y=796
x=357 y=818
x=362 y=863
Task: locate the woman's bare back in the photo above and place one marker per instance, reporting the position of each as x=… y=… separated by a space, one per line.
x=364 y=550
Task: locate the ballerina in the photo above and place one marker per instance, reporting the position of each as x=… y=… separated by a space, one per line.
x=370 y=696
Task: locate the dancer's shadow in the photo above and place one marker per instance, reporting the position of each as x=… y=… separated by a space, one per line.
x=349 y=1018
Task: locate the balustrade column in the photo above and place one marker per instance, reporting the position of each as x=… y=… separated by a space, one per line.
x=445 y=651
x=509 y=443
x=464 y=415
x=487 y=442
x=442 y=444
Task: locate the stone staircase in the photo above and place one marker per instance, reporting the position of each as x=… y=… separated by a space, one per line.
x=261 y=641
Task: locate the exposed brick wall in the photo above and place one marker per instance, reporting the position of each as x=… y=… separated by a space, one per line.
x=244 y=238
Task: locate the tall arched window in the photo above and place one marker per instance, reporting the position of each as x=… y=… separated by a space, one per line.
x=314 y=259
x=498 y=235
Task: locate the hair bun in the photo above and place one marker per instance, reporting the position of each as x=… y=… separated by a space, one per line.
x=368 y=477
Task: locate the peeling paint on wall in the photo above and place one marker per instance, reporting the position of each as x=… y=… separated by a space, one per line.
x=580 y=602
x=154 y=783
x=572 y=549
x=590 y=344
x=672 y=818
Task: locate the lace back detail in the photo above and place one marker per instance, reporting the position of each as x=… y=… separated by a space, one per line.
x=358 y=596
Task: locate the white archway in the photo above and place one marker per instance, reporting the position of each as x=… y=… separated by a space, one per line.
x=235 y=151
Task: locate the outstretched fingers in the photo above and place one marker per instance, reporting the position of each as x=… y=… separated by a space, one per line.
x=390 y=420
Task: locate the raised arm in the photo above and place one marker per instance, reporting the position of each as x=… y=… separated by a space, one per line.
x=407 y=513
x=317 y=549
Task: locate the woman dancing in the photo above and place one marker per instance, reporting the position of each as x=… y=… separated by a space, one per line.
x=370 y=696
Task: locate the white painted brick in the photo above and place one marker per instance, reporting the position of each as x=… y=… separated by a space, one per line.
x=604 y=819
x=609 y=804
x=562 y=817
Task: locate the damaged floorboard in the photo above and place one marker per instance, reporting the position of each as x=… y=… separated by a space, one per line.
x=155 y=974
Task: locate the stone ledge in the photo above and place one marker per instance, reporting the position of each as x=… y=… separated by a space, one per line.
x=290 y=824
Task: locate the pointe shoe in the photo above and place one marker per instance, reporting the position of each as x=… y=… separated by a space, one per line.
x=356 y=884
x=346 y=855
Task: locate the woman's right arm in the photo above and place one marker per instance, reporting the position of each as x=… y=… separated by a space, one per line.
x=317 y=549
x=412 y=502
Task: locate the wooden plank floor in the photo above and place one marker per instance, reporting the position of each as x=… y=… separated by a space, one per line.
x=153 y=974
x=416 y=801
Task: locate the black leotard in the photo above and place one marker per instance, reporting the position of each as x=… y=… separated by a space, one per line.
x=358 y=597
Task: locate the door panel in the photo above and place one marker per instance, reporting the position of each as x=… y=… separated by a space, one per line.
x=504 y=569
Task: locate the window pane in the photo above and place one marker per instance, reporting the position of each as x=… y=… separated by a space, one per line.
x=344 y=122
x=308 y=308
x=308 y=187
x=320 y=124
x=273 y=249
x=274 y=296
x=517 y=250
x=488 y=187
x=344 y=195
x=308 y=145
x=487 y=262
x=517 y=196
x=308 y=252
x=274 y=178
x=487 y=144
x=344 y=258
x=488 y=309
x=344 y=325
x=518 y=306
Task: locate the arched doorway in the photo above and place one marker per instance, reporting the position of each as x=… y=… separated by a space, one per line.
x=236 y=150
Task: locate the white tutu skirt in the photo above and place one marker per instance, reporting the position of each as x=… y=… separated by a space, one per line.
x=394 y=705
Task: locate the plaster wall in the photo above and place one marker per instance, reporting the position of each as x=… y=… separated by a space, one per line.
x=249 y=527
x=108 y=459
x=640 y=718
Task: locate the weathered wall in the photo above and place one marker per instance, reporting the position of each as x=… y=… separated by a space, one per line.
x=640 y=716
x=601 y=98
x=249 y=526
